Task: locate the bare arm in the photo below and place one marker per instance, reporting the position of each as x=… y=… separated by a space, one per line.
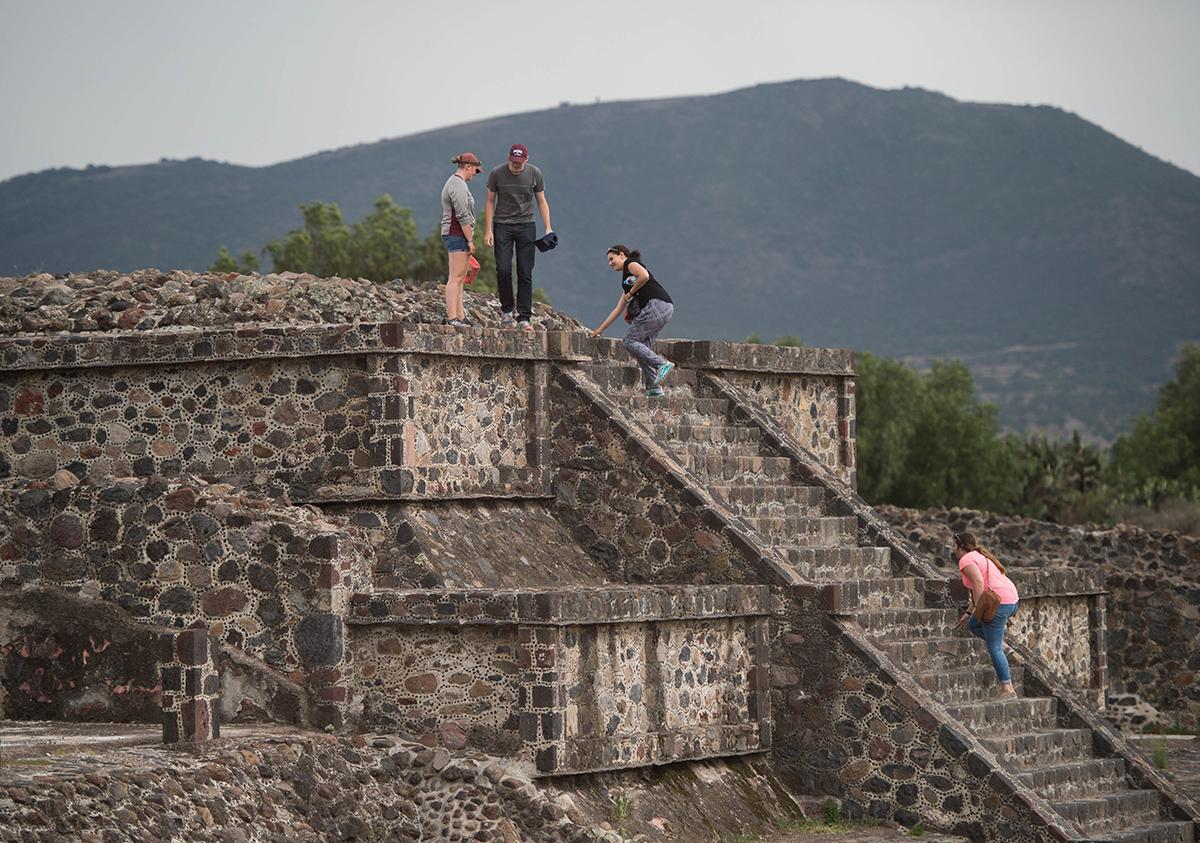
x=640 y=276
x=489 y=238
x=612 y=317
x=544 y=207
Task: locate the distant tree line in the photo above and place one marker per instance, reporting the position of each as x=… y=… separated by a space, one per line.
x=380 y=247
x=924 y=440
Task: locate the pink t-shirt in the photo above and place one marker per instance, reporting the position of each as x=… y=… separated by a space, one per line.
x=992 y=578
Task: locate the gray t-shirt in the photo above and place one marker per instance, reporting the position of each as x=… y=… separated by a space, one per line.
x=514 y=193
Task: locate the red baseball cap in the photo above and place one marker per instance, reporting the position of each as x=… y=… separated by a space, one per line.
x=518 y=153
x=467 y=158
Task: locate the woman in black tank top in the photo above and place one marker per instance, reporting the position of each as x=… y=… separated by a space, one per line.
x=648 y=307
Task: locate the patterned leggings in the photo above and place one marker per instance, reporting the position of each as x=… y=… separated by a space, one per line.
x=647 y=325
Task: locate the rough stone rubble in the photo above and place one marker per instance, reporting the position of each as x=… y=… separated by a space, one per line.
x=150 y=299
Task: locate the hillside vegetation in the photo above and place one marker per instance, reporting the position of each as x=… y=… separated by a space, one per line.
x=1059 y=262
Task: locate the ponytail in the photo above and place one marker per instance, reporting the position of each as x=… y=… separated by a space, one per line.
x=969 y=543
x=630 y=254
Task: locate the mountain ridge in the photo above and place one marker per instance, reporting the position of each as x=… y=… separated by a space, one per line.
x=903 y=222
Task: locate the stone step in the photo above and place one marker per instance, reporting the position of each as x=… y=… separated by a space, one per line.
x=724 y=449
x=774 y=500
x=812 y=531
x=906 y=624
x=1116 y=811
x=838 y=564
x=975 y=684
x=888 y=593
x=628 y=378
x=937 y=653
x=1077 y=779
x=669 y=410
x=1174 y=831
x=718 y=467
x=715 y=434
x=1007 y=717
x=1030 y=750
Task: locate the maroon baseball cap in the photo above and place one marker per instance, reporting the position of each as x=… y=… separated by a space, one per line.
x=518 y=153
x=464 y=159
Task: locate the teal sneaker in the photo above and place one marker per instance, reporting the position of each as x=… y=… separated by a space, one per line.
x=655 y=392
x=663 y=371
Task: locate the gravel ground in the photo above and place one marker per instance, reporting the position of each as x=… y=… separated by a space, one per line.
x=148 y=299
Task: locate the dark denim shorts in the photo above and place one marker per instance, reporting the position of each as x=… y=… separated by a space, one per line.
x=455 y=243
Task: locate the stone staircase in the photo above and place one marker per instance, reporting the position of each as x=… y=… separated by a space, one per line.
x=806 y=528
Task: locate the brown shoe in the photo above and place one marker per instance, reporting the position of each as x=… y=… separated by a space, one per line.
x=1002 y=694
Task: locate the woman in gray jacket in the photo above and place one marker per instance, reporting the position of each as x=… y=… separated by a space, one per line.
x=458 y=231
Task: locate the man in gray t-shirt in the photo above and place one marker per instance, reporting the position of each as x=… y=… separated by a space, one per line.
x=512 y=191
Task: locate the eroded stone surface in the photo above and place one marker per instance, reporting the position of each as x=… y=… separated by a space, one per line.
x=149 y=299
x=276 y=784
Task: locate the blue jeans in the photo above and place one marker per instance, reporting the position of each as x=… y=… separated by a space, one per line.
x=992 y=633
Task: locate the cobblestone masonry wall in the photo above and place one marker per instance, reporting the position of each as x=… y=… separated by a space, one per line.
x=272 y=582
x=454 y=686
x=1058 y=630
x=318 y=428
x=571 y=680
x=71 y=658
x=293 y=787
x=1152 y=609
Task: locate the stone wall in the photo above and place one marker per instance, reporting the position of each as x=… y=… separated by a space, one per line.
x=274 y=582
x=808 y=391
x=66 y=657
x=381 y=423
x=1152 y=611
x=576 y=680
x=623 y=498
x=1061 y=620
x=304 y=787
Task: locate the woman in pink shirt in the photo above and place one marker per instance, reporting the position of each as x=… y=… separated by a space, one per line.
x=981 y=570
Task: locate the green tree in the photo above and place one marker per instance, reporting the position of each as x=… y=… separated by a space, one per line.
x=430 y=265
x=321 y=246
x=753 y=339
x=383 y=245
x=1061 y=481
x=924 y=440
x=789 y=341
x=1160 y=457
x=225 y=262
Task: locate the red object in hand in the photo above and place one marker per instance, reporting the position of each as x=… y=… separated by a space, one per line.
x=472 y=271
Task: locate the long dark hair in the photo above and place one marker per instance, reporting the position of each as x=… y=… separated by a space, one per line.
x=630 y=254
x=968 y=542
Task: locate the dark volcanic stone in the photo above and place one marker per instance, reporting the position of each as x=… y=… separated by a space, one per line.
x=319 y=640
x=66 y=531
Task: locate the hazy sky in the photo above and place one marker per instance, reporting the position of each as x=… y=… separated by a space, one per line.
x=121 y=82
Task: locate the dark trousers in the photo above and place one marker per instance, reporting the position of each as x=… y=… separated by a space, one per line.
x=521 y=236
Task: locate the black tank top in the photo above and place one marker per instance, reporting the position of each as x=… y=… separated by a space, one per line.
x=650 y=290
